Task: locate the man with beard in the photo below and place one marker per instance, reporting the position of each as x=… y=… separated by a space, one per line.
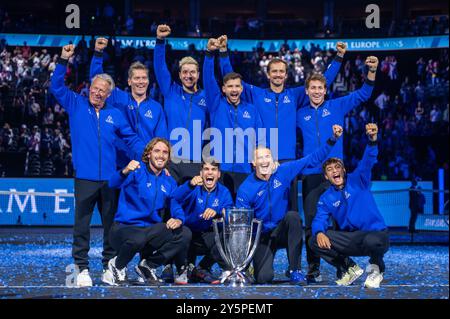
x=361 y=228
x=266 y=192
x=94 y=125
x=138 y=226
x=144 y=115
x=203 y=198
x=315 y=121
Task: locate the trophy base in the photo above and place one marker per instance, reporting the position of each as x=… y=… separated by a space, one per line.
x=237 y=279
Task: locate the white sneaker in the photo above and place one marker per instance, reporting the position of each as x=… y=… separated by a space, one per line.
x=84 y=279
x=108 y=277
x=374 y=277
x=119 y=275
x=182 y=277
x=350 y=276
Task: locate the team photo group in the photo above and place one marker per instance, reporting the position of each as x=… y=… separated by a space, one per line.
x=159 y=188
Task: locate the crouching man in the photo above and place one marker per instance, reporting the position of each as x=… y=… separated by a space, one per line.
x=361 y=228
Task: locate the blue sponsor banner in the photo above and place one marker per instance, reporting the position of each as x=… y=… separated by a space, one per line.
x=360 y=44
x=432 y=222
x=34 y=208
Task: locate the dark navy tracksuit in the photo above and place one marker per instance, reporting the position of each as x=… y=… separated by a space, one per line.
x=94 y=159
x=281 y=228
x=361 y=227
x=195 y=200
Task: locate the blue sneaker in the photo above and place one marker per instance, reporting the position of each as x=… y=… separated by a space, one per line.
x=298 y=278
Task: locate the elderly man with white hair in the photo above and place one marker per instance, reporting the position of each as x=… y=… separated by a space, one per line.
x=94 y=125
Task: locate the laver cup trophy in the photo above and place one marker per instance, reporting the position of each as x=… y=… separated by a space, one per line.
x=236 y=243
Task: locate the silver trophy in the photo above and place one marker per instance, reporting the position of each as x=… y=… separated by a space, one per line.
x=236 y=243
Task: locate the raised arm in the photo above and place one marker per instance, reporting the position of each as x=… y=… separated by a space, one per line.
x=354 y=99
x=162 y=73
x=314 y=159
x=125 y=175
x=212 y=90
x=185 y=190
x=67 y=98
x=363 y=171
x=333 y=69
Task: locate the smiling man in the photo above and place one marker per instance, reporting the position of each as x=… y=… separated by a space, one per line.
x=361 y=228
x=266 y=192
x=94 y=126
x=138 y=226
x=203 y=198
x=144 y=115
x=315 y=122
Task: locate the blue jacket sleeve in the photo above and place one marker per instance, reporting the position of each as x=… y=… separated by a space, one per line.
x=291 y=169
x=354 y=99
x=212 y=90
x=96 y=65
x=162 y=73
x=67 y=98
x=182 y=192
x=242 y=200
x=117 y=180
x=333 y=70
x=131 y=139
x=161 y=126
x=320 y=221
x=226 y=67
x=176 y=211
x=363 y=171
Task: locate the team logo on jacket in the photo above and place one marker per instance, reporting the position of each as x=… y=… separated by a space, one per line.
x=276 y=183
x=325 y=113
x=336 y=204
x=347 y=195
x=246 y=115
x=215 y=203
x=131 y=107
x=200 y=201
x=202 y=102
x=163 y=189
x=286 y=99
x=149 y=184
x=149 y=114
x=307 y=117
x=109 y=119
x=260 y=193
x=267 y=100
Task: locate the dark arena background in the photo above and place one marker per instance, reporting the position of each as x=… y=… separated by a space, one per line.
x=410 y=104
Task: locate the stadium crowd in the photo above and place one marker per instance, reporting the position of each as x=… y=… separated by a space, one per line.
x=407 y=103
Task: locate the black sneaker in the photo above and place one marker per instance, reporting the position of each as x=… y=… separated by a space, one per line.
x=148 y=274
x=204 y=276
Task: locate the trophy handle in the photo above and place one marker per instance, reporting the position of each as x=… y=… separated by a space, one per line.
x=255 y=244
x=218 y=242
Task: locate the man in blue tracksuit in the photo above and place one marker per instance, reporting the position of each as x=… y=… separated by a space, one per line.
x=237 y=122
x=146 y=191
x=94 y=126
x=278 y=105
x=185 y=108
x=267 y=192
x=315 y=121
x=203 y=198
x=361 y=228
x=144 y=115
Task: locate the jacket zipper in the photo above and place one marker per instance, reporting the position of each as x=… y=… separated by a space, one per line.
x=99 y=148
x=270 y=199
x=317 y=126
x=276 y=111
x=189 y=114
x=234 y=148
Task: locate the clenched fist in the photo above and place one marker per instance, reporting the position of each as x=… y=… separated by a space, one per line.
x=100 y=44
x=372 y=63
x=222 y=41
x=213 y=44
x=132 y=166
x=67 y=51
x=341 y=48
x=372 y=131
x=163 y=31
x=197 y=181
x=337 y=131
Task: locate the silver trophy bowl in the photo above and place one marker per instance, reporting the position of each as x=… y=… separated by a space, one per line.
x=236 y=243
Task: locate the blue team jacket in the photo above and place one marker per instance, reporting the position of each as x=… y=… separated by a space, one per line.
x=317 y=124
x=269 y=199
x=353 y=207
x=144 y=197
x=279 y=110
x=181 y=108
x=195 y=200
x=93 y=139
x=147 y=118
x=225 y=118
